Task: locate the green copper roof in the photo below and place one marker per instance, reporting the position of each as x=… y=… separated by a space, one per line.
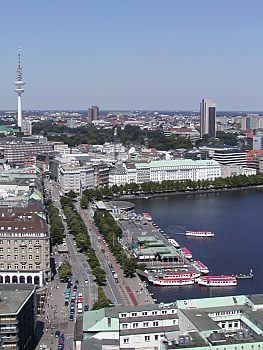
x=176 y=162
x=97 y=321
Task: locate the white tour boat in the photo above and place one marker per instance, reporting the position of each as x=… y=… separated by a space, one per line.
x=217 y=281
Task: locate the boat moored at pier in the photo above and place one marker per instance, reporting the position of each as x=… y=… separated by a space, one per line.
x=174 y=278
x=178 y=281
x=217 y=281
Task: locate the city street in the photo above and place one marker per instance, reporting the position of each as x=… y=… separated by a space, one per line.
x=55 y=315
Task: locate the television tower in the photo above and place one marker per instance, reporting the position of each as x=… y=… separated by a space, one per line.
x=19 y=90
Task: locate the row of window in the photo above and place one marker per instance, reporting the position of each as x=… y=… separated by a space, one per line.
x=224 y=313
x=16 y=242
x=146 y=313
x=22 y=267
x=22 y=257
x=147 y=338
x=22 y=250
x=136 y=324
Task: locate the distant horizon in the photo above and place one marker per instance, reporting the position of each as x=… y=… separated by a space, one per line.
x=130 y=110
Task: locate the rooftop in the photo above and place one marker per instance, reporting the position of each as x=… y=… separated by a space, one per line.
x=13 y=297
x=176 y=162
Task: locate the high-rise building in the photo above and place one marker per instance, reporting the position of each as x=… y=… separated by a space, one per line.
x=19 y=90
x=208 y=118
x=251 y=121
x=93 y=113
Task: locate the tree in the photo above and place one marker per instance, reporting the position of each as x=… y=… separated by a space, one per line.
x=99 y=274
x=103 y=301
x=72 y=194
x=64 y=270
x=130 y=266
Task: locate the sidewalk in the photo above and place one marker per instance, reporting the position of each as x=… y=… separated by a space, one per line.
x=55 y=317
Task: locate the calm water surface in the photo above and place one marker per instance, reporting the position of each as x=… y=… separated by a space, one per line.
x=237 y=220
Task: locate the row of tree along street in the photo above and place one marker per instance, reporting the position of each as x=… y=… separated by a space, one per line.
x=79 y=230
x=56 y=226
x=112 y=233
x=56 y=237
x=170 y=186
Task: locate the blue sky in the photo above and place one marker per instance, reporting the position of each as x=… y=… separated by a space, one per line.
x=133 y=54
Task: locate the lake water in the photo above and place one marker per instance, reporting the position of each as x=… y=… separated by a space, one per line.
x=236 y=218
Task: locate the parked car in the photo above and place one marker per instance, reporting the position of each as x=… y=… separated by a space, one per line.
x=57 y=334
x=86 y=308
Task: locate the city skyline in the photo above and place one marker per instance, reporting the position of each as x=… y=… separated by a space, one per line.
x=137 y=55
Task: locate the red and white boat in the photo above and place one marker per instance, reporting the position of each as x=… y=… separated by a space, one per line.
x=217 y=281
x=200 y=266
x=186 y=252
x=200 y=233
x=178 y=281
x=174 y=278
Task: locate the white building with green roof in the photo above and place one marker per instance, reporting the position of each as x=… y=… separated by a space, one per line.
x=219 y=323
x=161 y=170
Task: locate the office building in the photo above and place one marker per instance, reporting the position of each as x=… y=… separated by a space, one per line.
x=75 y=178
x=228 y=157
x=131 y=327
x=251 y=121
x=24 y=246
x=208 y=118
x=101 y=174
x=219 y=323
x=93 y=114
x=19 y=153
x=17 y=316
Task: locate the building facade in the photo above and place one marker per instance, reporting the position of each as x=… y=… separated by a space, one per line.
x=231 y=158
x=18 y=153
x=75 y=178
x=101 y=174
x=17 y=316
x=219 y=323
x=135 y=327
x=24 y=247
x=93 y=113
x=161 y=170
x=208 y=118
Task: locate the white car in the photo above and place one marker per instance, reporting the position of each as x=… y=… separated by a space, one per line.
x=86 y=281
